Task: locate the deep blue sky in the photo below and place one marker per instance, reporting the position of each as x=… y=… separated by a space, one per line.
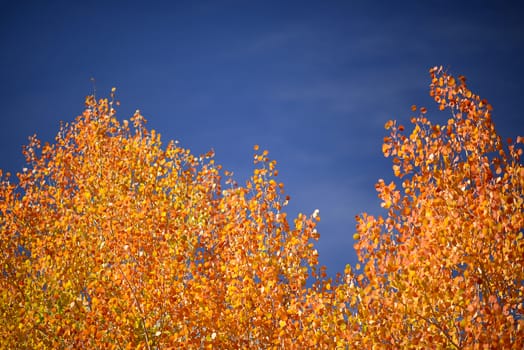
x=311 y=81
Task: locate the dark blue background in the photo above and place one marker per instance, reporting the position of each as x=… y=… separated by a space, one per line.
x=311 y=81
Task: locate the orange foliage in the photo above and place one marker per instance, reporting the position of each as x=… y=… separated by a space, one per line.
x=112 y=240
x=445 y=267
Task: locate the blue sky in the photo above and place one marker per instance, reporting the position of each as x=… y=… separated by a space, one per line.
x=311 y=81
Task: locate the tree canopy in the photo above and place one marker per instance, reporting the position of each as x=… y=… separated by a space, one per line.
x=446 y=264
x=111 y=239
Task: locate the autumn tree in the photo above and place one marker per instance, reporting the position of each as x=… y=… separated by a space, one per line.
x=445 y=267
x=110 y=239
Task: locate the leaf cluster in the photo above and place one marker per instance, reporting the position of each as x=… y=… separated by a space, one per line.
x=111 y=239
